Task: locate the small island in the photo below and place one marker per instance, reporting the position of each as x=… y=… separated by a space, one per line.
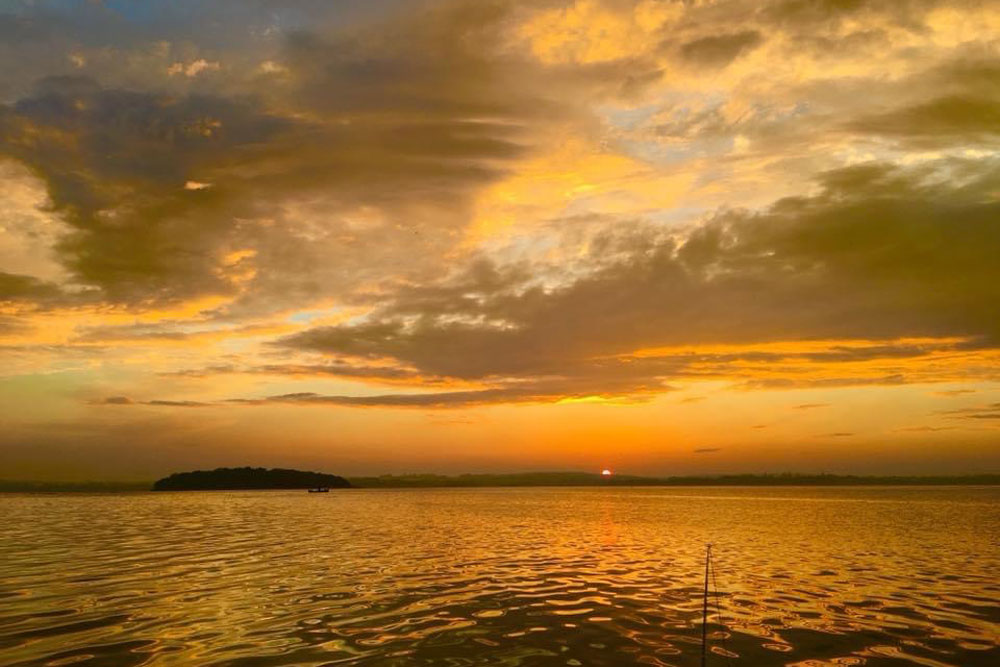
x=241 y=479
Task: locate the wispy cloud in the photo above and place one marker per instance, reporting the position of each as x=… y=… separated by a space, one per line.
x=125 y=400
x=988 y=412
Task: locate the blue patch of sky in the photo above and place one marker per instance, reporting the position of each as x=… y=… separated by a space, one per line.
x=307 y=316
x=219 y=24
x=638 y=139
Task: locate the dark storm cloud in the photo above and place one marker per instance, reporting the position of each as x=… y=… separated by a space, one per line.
x=880 y=253
x=974 y=70
x=116 y=163
x=719 y=50
x=421 y=66
x=14 y=288
x=402 y=118
x=955 y=103
x=405 y=119
x=956 y=118
x=420 y=109
x=795 y=13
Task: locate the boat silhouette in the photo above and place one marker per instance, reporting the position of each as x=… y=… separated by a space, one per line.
x=320 y=489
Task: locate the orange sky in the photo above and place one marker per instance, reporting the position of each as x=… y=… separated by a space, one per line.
x=655 y=236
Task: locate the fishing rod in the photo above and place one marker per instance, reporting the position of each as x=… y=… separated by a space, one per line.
x=704 y=609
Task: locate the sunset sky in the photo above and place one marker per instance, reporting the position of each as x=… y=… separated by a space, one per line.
x=382 y=236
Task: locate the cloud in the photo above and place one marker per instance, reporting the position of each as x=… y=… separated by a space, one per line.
x=707 y=450
x=117 y=400
x=964 y=118
x=807 y=268
x=809 y=12
x=125 y=400
x=452 y=204
x=13 y=325
x=720 y=50
x=14 y=288
x=821 y=382
x=450 y=399
x=114 y=162
x=386 y=374
x=371 y=142
x=986 y=412
x=369 y=145
x=811 y=406
x=193 y=68
x=176 y=404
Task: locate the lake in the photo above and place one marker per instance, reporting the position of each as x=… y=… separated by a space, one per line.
x=543 y=576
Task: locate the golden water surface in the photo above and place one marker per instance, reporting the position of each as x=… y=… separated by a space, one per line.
x=602 y=576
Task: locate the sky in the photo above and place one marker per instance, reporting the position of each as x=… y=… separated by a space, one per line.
x=380 y=236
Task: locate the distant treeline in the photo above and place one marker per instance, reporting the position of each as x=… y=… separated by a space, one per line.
x=591 y=479
x=234 y=479
x=18 y=486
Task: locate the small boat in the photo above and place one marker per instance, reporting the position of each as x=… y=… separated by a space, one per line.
x=320 y=489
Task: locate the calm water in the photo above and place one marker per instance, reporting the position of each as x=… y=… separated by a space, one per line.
x=807 y=576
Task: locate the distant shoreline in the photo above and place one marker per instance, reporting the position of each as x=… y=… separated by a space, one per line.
x=556 y=479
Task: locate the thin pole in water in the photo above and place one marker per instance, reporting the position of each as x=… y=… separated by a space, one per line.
x=704 y=610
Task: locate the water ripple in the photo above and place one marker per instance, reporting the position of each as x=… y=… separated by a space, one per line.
x=501 y=577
